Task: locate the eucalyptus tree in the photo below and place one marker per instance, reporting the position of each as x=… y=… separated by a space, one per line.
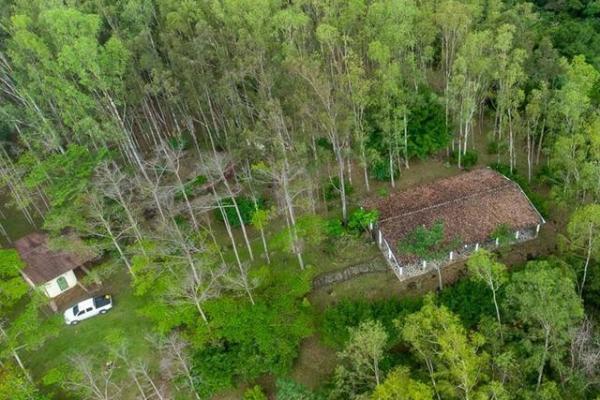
x=574 y=161
x=484 y=267
x=325 y=78
x=469 y=84
x=573 y=103
x=69 y=80
x=536 y=115
x=451 y=356
x=584 y=236
x=177 y=350
x=453 y=19
x=545 y=302
x=509 y=78
x=362 y=357
x=398 y=384
x=25 y=332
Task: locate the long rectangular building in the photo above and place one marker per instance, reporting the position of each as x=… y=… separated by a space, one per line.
x=472 y=206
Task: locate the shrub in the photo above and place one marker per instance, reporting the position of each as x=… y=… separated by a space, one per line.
x=246 y=207
x=469 y=299
x=332 y=190
x=244 y=341
x=383 y=192
x=287 y=389
x=360 y=219
x=255 y=393
x=334 y=228
x=468 y=160
x=380 y=171
x=492 y=147
x=347 y=314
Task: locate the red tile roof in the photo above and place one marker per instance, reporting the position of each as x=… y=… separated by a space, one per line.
x=44 y=264
x=471 y=206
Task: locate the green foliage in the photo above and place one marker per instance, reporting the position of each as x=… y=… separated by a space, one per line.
x=383 y=192
x=15 y=386
x=380 y=170
x=254 y=393
x=468 y=299
x=467 y=161
x=245 y=341
x=287 y=389
x=361 y=359
x=427 y=132
x=360 y=219
x=334 y=228
x=428 y=243
x=246 y=207
x=310 y=231
x=179 y=143
x=337 y=319
x=398 y=385
x=63 y=175
x=12 y=285
x=542 y=299
x=333 y=188
x=438 y=338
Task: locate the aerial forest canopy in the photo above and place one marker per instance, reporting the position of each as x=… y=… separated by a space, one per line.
x=214 y=156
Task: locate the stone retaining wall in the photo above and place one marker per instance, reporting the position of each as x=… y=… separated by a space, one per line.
x=348 y=273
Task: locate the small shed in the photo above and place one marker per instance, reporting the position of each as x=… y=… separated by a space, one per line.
x=52 y=270
x=471 y=206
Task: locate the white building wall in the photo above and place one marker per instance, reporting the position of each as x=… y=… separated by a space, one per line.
x=52 y=289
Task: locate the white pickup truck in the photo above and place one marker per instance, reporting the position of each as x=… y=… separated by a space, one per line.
x=87 y=309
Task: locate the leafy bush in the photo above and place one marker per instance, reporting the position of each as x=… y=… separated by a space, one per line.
x=255 y=393
x=347 y=314
x=324 y=143
x=332 y=190
x=427 y=132
x=383 y=192
x=244 y=340
x=492 y=147
x=287 y=389
x=469 y=299
x=467 y=161
x=246 y=207
x=360 y=219
x=380 y=171
x=334 y=228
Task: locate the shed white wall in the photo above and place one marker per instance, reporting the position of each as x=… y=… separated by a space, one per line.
x=52 y=289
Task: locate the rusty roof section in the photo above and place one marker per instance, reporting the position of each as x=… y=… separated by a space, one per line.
x=471 y=206
x=44 y=264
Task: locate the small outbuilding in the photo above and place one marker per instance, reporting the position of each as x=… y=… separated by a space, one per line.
x=472 y=206
x=52 y=270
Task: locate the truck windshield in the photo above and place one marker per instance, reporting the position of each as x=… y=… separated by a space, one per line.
x=75 y=310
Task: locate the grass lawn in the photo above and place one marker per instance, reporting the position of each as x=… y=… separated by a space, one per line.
x=88 y=337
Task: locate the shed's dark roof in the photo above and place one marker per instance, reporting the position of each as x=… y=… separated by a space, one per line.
x=44 y=264
x=471 y=206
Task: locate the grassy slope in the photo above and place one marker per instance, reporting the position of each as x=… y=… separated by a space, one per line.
x=88 y=336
